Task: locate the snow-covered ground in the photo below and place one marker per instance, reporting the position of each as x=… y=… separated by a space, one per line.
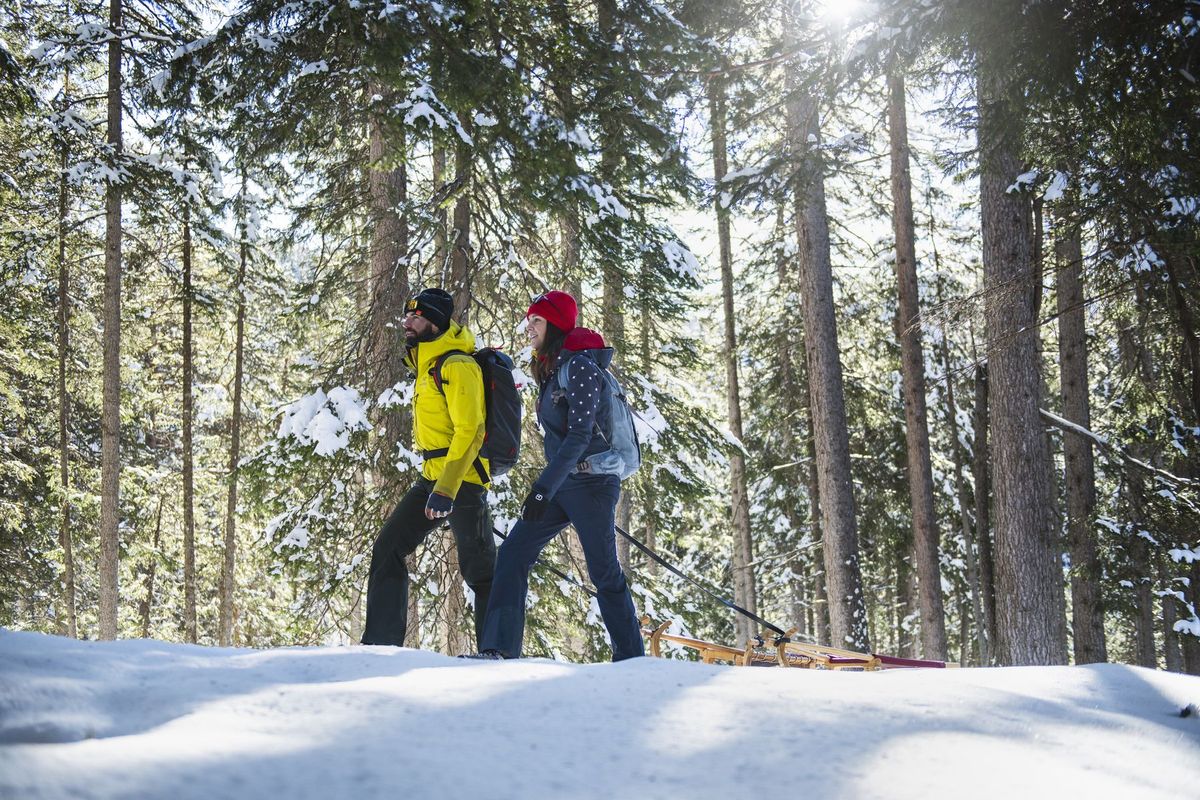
x=147 y=719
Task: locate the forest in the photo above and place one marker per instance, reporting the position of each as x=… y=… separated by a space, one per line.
x=905 y=296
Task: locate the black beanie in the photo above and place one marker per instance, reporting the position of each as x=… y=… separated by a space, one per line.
x=435 y=305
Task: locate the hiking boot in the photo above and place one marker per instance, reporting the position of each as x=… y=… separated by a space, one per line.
x=485 y=655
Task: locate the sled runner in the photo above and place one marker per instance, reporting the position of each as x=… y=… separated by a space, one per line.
x=781 y=651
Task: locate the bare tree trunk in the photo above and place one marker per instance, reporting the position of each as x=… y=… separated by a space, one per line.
x=70 y=625
x=1086 y=610
x=1172 y=653
x=847 y=609
x=983 y=534
x=1143 y=574
x=797 y=587
x=110 y=423
x=964 y=502
x=412 y=634
x=440 y=242
x=1191 y=644
x=912 y=362
x=229 y=563
x=189 y=493
x=1030 y=630
x=462 y=261
x=906 y=605
x=625 y=520
x=649 y=487
x=808 y=587
x=147 y=604
x=453 y=638
x=1187 y=329
x=743 y=545
x=820 y=590
x=389 y=285
x=1058 y=547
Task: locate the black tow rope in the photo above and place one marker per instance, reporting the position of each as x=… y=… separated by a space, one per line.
x=656 y=557
x=727 y=603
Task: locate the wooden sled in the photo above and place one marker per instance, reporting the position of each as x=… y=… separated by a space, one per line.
x=781 y=651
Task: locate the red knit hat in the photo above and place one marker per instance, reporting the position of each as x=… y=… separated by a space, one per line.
x=557 y=308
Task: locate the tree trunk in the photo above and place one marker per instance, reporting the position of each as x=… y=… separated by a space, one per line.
x=1187 y=330
x=440 y=242
x=649 y=487
x=808 y=585
x=1030 y=630
x=847 y=609
x=1172 y=653
x=462 y=262
x=981 y=474
x=110 y=422
x=1055 y=510
x=820 y=591
x=905 y=608
x=69 y=622
x=453 y=639
x=412 y=635
x=229 y=564
x=1145 y=652
x=1191 y=644
x=389 y=287
x=912 y=361
x=147 y=604
x=743 y=545
x=797 y=587
x=624 y=518
x=1087 y=613
x=189 y=520
x=964 y=502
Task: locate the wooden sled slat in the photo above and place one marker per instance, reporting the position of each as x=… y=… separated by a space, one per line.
x=765 y=651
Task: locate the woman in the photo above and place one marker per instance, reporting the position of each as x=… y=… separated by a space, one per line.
x=571 y=417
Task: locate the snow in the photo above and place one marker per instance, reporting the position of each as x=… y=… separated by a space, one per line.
x=1058 y=185
x=325 y=421
x=680 y=259
x=147 y=719
x=1023 y=181
x=1180 y=554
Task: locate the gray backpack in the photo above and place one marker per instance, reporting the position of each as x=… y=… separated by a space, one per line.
x=624 y=453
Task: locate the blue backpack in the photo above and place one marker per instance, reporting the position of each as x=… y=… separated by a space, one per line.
x=624 y=453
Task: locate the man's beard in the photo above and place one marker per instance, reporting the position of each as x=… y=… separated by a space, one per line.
x=412 y=338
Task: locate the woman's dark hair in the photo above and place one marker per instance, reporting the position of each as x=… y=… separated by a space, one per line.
x=547 y=356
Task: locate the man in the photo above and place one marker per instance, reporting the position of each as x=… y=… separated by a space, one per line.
x=448 y=431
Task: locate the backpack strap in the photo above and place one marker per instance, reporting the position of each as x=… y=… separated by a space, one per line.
x=564 y=379
x=435 y=371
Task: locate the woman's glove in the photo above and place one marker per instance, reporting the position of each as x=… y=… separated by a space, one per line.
x=535 y=505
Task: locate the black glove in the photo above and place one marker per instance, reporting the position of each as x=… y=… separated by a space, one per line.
x=535 y=505
x=438 y=505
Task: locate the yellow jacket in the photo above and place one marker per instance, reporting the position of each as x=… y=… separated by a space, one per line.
x=454 y=421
